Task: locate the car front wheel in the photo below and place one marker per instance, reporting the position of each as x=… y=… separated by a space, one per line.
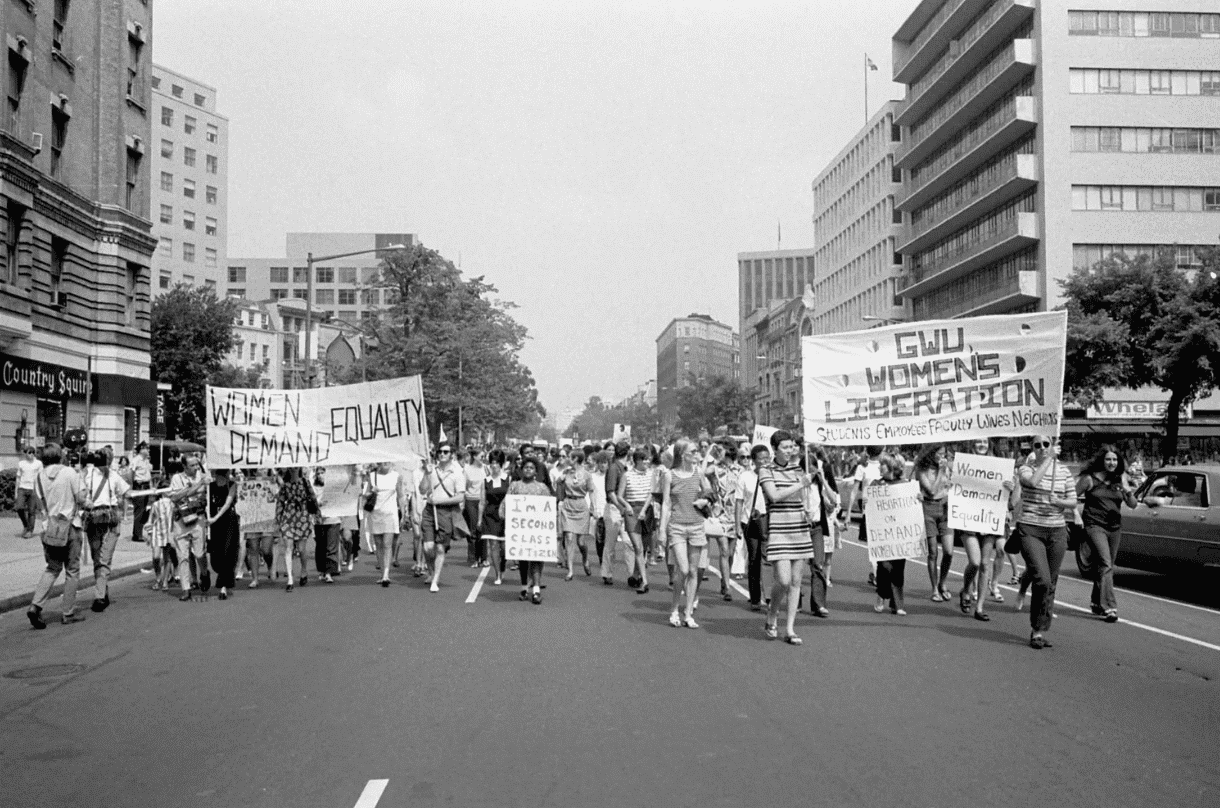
x=1084 y=559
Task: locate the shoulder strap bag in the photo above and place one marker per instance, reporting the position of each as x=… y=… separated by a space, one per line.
x=58 y=527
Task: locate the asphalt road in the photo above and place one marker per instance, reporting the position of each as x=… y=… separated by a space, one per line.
x=310 y=698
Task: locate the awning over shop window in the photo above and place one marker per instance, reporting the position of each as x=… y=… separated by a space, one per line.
x=109 y=388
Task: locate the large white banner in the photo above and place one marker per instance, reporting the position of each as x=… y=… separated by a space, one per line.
x=531 y=528
x=978 y=498
x=895 y=522
x=328 y=426
x=936 y=380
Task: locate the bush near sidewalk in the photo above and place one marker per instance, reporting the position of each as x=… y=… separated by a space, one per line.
x=8 y=488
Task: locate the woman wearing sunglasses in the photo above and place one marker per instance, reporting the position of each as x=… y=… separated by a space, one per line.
x=1046 y=492
x=444 y=492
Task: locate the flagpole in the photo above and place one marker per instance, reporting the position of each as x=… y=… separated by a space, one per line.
x=866 y=89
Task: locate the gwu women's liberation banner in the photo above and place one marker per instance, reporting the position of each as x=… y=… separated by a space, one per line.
x=327 y=426
x=936 y=380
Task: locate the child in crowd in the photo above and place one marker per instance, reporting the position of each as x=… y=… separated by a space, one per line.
x=157 y=532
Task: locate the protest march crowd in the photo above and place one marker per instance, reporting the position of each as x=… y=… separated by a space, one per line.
x=780 y=503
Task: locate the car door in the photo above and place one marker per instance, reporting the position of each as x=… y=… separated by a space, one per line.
x=1171 y=522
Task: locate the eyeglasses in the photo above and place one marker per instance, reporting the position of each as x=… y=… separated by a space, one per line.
x=444 y=452
x=1042 y=444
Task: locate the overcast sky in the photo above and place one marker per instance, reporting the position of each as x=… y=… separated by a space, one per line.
x=601 y=163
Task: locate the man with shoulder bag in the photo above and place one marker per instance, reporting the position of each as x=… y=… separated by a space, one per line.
x=104 y=491
x=58 y=490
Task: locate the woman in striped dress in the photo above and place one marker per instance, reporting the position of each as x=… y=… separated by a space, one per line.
x=789 y=542
x=638 y=495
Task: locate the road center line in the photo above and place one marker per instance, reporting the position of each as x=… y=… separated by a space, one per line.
x=1123 y=621
x=371 y=794
x=478 y=584
x=732 y=583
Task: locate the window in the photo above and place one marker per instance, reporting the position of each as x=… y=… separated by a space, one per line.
x=211 y=195
x=59 y=135
x=164 y=280
x=188 y=156
x=59 y=19
x=59 y=257
x=347 y=275
x=279 y=294
x=238 y=292
x=132 y=197
x=167 y=148
x=253 y=348
x=175 y=91
x=167 y=181
x=370 y=297
x=200 y=100
x=213 y=133
x=266 y=353
x=167 y=247
x=16 y=87
x=209 y=257
x=300 y=274
x=1211 y=199
x=167 y=116
x=1209 y=80
x=324 y=297
x=325 y=275
x=1110 y=139
x=188 y=188
x=237 y=274
x=167 y=214
x=189 y=124
x=278 y=275
x=1109 y=81
x=188 y=219
x=1159 y=82
x=370 y=274
x=213 y=164
x=300 y=294
x=1162 y=198
x=133 y=281
x=347 y=297
x=1111 y=197
x=135 y=88
x=210 y=226
x=188 y=252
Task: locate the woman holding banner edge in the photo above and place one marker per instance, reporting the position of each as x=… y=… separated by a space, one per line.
x=932 y=472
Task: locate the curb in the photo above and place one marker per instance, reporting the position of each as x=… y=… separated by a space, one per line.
x=23 y=600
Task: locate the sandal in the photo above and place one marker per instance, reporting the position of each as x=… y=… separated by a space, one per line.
x=983 y=616
x=675 y=620
x=771 y=631
x=1037 y=641
x=963 y=600
x=792 y=639
x=997 y=596
x=937 y=597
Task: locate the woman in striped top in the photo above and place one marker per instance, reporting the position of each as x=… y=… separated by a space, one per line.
x=639 y=480
x=789 y=542
x=1047 y=490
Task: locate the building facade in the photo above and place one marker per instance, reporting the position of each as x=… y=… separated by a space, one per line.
x=690 y=349
x=857 y=230
x=763 y=279
x=75 y=278
x=1039 y=135
x=270 y=338
x=189 y=181
x=776 y=333
x=341 y=289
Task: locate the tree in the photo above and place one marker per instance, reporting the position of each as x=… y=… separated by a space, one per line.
x=596 y=421
x=1139 y=322
x=192 y=332
x=464 y=343
x=241 y=378
x=708 y=404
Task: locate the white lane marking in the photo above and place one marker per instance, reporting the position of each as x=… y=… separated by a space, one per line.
x=474 y=592
x=732 y=583
x=371 y=794
x=1123 y=621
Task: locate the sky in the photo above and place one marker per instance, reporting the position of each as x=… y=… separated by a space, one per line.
x=601 y=163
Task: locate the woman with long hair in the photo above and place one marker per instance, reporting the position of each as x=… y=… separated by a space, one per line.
x=1105 y=487
x=224 y=529
x=685 y=498
x=932 y=472
x=292 y=514
x=476 y=476
x=980 y=554
x=531 y=571
x=786 y=488
x=575 y=511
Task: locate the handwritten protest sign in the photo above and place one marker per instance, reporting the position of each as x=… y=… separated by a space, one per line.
x=762 y=435
x=530 y=529
x=338 y=494
x=256 y=505
x=621 y=432
x=895 y=522
x=936 y=380
x=328 y=426
x=978 y=500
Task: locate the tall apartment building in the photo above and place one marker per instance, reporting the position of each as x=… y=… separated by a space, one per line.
x=340 y=287
x=1042 y=134
x=74 y=282
x=190 y=185
x=693 y=348
x=765 y=279
x=857 y=230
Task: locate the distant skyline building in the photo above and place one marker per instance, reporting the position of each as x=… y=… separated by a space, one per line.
x=693 y=348
x=189 y=181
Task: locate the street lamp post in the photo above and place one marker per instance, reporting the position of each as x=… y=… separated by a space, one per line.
x=873 y=318
x=309 y=262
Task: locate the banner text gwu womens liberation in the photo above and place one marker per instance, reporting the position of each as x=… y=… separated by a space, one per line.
x=936 y=380
x=327 y=426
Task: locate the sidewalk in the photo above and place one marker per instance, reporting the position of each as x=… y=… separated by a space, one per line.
x=22 y=563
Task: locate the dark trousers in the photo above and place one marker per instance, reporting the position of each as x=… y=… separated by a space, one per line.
x=891 y=577
x=1105 y=550
x=1043 y=549
x=817 y=571
x=223 y=539
x=756 y=550
x=326 y=548
x=141 y=512
x=475 y=549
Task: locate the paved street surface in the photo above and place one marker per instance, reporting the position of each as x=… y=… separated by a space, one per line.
x=314 y=697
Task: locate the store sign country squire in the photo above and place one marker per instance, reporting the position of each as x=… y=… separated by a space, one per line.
x=936 y=380
x=42 y=378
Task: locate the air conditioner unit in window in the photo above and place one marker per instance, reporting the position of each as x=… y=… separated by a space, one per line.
x=36 y=141
x=61 y=300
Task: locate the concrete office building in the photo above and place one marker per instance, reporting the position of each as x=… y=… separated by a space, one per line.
x=341 y=289
x=857 y=230
x=764 y=279
x=693 y=348
x=1042 y=134
x=74 y=271
x=190 y=185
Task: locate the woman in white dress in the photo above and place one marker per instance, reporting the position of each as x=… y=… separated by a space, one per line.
x=385 y=491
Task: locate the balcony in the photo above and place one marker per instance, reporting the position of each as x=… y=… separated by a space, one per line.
x=1006 y=126
x=1012 y=293
x=1007 y=68
x=1022 y=231
x=1016 y=174
x=934 y=37
x=991 y=30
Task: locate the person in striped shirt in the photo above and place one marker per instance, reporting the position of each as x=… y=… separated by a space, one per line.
x=1047 y=491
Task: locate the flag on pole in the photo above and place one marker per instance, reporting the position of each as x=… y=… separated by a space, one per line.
x=779 y=234
x=869 y=62
x=442 y=437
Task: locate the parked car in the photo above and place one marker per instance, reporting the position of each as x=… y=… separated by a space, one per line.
x=1175 y=525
